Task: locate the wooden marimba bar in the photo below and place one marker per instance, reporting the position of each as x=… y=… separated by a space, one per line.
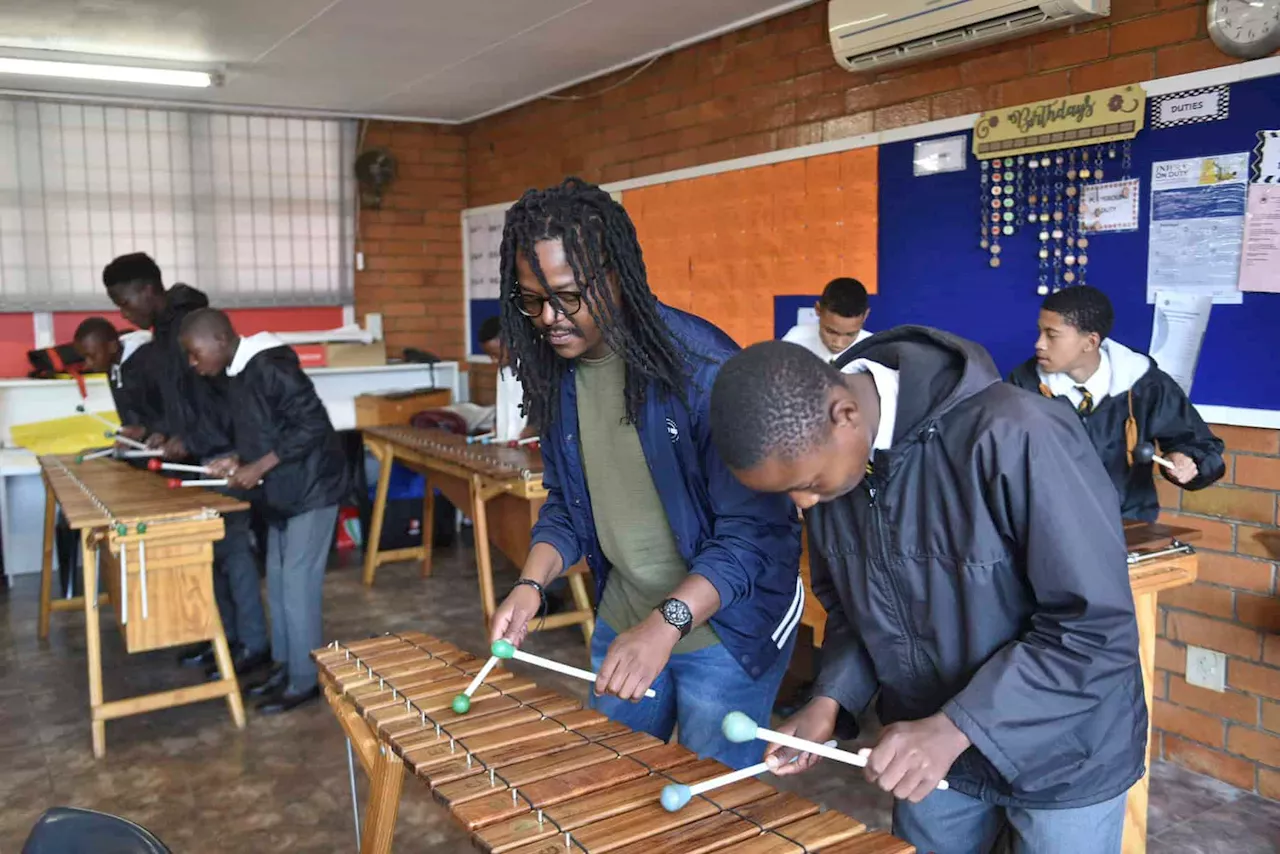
x=528 y=771
x=153 y=550
x=499 y=488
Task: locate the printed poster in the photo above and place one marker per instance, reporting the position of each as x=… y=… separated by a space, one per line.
x=1110 y=207
x=1197 y=226
x=1260 y=266
x=484 y=240
x=1178 y=325
x=1266 y=158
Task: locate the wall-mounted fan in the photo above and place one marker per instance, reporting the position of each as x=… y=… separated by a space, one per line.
x=375 y=170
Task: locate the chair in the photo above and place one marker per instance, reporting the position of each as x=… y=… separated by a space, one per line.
x=68 y=830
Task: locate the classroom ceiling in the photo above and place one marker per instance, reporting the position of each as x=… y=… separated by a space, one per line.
x=444 y=60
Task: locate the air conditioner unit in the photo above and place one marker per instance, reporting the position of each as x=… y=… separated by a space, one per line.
x=876 y=34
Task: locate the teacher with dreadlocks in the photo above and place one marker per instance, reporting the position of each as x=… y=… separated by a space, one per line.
x=697 y=584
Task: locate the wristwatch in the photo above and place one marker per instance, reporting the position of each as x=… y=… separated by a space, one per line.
x=677 y=614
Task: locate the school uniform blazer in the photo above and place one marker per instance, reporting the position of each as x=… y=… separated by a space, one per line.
x=275 y=407
x=980 y=571
x=745 y=543
x=1160 y=412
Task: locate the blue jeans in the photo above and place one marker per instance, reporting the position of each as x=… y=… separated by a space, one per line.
x=948 y=822
x=696 y=690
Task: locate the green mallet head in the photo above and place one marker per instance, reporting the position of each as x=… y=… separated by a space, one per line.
x=122 y=529
x=502 y=649
x=738 y=727
x=461 y=704
x=80 y=407
x=142 y=527
x=110 y=434
x=79 y=458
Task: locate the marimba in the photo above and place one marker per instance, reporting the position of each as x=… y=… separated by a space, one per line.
x=1159 y=559
x=153 y=549
x=528 y=771
x=500 y=488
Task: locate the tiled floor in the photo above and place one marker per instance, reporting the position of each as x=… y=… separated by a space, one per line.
x=282 y=785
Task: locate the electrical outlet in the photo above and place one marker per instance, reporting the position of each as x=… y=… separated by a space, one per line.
x=1206 y=668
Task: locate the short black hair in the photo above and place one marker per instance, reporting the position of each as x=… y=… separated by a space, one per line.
x=1084 y=307
x=770 y=400
x=845 y=296
x=490 y=329
x=206 y=323
x=134 y=267
x=95 y=327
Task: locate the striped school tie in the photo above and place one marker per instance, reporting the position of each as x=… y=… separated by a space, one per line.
x=1086 y=401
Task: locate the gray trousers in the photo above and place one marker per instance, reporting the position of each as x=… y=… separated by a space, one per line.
x=297 y=553
x=236 y=587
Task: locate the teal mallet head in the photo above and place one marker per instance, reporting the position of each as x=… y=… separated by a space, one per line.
x=461 y=704
x=738 y=727
x=675 y=796
x=502 y=649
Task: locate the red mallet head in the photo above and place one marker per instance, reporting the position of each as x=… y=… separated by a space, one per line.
x=154 y=464
x=175 y=482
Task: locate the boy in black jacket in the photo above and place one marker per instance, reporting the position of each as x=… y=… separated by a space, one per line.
x=1122 y=398
x=123 y=359
x=968 y=549
x=192 y=423
x=283 y=440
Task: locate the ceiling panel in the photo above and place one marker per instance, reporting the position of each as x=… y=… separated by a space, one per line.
x=446 y=60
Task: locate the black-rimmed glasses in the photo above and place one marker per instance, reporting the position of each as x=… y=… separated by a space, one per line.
x=567 y=303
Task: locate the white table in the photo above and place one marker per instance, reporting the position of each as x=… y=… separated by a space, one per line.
x=27 y=401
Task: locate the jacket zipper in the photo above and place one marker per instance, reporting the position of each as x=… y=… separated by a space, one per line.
x=899 y=598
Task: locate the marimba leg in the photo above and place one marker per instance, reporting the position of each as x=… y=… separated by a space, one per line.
x=46 y=565
x=93 y=643
x=385 y=785
x=1135 y=811
x=428 y=523
x=373 y=537
x=484 y=561
x=578 y=586
x=222 y=654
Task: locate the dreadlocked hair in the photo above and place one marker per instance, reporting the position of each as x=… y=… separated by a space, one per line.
x=599 y=243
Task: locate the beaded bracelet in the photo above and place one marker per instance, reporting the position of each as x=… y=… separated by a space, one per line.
x=542 y=593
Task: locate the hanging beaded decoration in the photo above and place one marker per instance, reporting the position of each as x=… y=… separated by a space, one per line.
x=997 y=210
x=984 y=240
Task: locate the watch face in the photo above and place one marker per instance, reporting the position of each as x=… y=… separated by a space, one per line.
x=676 y=612
x=1245 y=28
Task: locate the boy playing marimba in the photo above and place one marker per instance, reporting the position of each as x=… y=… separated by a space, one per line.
x=967 y=547
x=283 y=440
x=123 y=359
x=1122 y=398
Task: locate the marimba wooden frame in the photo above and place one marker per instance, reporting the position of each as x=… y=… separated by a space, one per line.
x=91 y=540
x=1146 y=578
x=510 y=504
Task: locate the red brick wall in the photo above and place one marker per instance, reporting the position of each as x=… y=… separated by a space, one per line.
x=1233 y=608
x=775 y=85
x=413 y=244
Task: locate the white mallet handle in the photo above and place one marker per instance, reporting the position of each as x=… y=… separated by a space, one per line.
x=734 y=776
x=221 y=481
x=1156 y=458
x=125 y=440
x=85 y=411
x=136 y=455
x=184 y=467
x=484 y=671
x=858 y=759
x=567 y=670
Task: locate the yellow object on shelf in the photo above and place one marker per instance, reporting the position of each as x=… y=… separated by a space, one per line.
x=69 y=435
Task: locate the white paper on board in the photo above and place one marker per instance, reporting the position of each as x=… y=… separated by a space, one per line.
x=1177 y=331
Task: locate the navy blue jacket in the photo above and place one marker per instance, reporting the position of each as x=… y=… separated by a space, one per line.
x=745 y=543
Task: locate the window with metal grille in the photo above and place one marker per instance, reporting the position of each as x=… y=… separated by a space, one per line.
x=254 y=210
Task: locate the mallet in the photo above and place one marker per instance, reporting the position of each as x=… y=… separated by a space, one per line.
x=505 y=649
x=125 y=440
x=482 y=438
x=676 y=795
x=1145 y=452
x=178 y=483
x=739 y=727
x=161 y=465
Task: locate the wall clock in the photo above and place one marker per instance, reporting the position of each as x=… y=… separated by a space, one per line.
x=1248 y=29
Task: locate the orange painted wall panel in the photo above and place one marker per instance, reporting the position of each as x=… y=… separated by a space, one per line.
x=722 y=246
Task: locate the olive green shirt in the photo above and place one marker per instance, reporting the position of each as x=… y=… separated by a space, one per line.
x=631 y=523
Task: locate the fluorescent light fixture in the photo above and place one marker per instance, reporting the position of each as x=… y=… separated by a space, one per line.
x=115 y=73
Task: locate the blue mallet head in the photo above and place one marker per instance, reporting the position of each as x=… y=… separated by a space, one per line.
x=502 y=649
x=738 y=727
x=675 y=796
